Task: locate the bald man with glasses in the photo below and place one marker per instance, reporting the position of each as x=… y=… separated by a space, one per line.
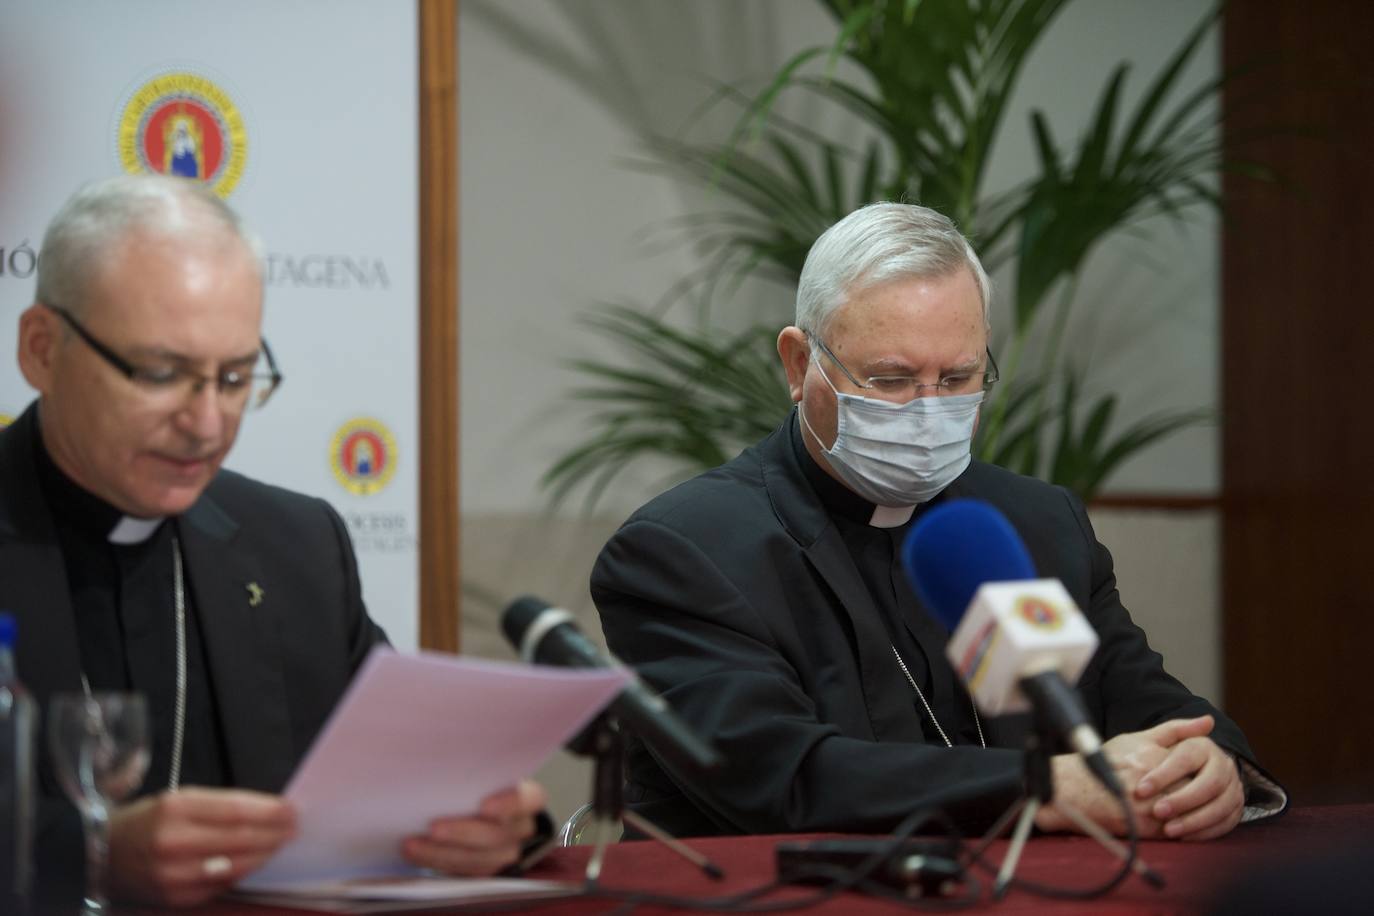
x=135 y=563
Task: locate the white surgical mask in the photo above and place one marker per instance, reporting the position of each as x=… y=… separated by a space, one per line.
x=900 y=454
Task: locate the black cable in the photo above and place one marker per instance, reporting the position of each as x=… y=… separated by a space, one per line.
x=844 y=879
x=860 y=878
x=1068 y=893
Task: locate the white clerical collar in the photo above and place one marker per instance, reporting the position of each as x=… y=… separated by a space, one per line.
x=891 y=516
x=132 y=530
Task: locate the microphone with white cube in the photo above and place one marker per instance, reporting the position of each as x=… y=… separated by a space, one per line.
x=1018 y=641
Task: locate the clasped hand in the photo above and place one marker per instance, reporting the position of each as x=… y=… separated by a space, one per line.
x=1179 y=782
x=184 y=848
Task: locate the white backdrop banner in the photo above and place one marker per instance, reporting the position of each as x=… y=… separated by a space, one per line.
x=303 y=116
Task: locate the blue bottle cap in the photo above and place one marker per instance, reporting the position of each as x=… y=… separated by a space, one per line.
x=8 y=627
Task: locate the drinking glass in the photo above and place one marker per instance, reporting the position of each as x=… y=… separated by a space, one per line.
x=99 y=745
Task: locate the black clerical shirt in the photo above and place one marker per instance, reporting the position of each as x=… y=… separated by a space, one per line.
x=917 y=635
x=122 y=599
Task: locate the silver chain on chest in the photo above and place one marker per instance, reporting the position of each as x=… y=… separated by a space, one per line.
x=179 y=719
x=930 y=712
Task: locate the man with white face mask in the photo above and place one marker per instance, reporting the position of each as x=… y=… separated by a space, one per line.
x=766 y=599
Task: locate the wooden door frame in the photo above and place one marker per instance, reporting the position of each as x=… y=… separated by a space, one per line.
x=440 y=596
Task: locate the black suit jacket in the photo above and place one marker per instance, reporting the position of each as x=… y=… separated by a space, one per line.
x=276 y=668
x=734 y=594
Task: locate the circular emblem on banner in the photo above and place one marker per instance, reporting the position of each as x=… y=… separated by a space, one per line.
x=363 y=456
x=181 y=123
x=1040 y=613
x=5 y=420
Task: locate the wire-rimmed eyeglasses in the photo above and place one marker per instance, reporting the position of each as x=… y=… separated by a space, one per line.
x=175 y=384
x=907 y=387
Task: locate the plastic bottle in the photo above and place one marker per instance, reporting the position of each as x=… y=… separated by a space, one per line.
x=18 y=722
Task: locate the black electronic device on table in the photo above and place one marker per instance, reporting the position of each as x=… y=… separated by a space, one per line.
x=919 y=867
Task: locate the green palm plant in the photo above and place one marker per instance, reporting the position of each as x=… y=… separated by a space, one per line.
x=691 y=398
x=936 y=76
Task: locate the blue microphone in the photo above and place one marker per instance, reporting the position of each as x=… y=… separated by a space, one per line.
x=957 y=546
x=1023 y=635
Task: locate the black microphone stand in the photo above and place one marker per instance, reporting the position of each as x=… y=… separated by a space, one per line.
x=1038 y=792
x=604 y=744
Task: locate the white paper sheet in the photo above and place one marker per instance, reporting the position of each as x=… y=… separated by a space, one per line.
x=418 y=737
x=391 y=895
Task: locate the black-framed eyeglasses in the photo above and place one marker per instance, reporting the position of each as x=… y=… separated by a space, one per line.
x=907 y=387
x=174 y=385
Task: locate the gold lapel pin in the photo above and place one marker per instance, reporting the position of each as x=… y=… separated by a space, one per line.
x=255 y=594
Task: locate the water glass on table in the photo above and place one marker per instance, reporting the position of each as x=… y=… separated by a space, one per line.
x=99 y=745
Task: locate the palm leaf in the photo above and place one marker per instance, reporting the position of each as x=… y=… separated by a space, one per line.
x=691 y=396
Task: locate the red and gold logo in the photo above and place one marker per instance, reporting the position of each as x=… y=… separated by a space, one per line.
x=362 y=455
x=181 y=123
x=1040 y=613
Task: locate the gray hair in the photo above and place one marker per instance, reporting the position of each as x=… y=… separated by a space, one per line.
x=97 y=217
x=876 y=244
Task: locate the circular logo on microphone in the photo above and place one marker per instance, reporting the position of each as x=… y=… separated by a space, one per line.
x=180 y=123
x=362 y=455
x=1039 y=613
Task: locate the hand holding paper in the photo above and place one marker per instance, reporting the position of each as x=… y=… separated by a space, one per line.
x=482 y=843
x=418 y=738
